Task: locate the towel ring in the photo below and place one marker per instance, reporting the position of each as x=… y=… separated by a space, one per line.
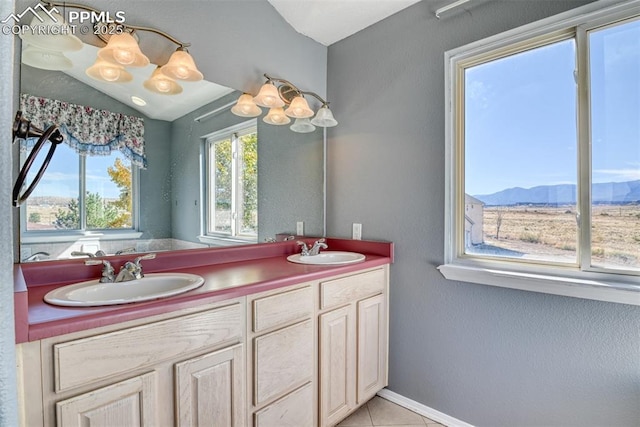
x=22 y=129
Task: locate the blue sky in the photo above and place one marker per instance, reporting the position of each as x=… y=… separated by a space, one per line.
x=61 y=177
x=521 y=115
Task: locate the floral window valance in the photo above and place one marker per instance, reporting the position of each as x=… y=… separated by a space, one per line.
x=87 y=130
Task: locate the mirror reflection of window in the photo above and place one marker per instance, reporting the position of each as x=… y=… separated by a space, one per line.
x=82 y=193
x=232 y=182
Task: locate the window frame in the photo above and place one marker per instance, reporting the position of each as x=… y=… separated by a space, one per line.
x=212 y=236
x=569 y=280
x=60 y=236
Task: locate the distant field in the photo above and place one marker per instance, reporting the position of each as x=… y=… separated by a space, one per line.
x=541 y=232
x=46 y=208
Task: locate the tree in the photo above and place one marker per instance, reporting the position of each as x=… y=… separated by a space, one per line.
x=101 y=214
x=120 y=174
x=250 y=182
x=35 y=217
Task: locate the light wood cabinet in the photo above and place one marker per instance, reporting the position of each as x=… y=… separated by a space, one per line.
x=210 y=389
x=353 y=342
x=128 y=403
x=337 y=364
x=306 y=355
x=185 y=368
x=371 y=348
x=283 y=357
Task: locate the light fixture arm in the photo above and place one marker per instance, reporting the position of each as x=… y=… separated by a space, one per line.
x=126 y=26
x=294 y=88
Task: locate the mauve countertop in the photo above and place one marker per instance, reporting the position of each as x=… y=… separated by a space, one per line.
x=228 y=273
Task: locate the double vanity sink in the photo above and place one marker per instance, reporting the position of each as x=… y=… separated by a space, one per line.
x=263 y=320
x=91 y=293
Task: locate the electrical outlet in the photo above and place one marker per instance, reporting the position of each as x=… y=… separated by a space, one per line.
x=357 y=231
x=300 y=228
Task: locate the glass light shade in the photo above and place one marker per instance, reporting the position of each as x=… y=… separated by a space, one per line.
x=276 y=116
x=302 y=126
x=58 y=39
x=245 y=107
x=299 y=108
x=268 y=96
x=107 y=72
x=45 y=59
x=123 y=49
x=324 y=118
x=182 y=67
x=159 y=83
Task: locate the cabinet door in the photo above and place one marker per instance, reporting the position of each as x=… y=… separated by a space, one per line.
x=293 y=410
x=372 y=347
x=210 y=391
x=283 y=360
x=128 y=403
x=337 y=364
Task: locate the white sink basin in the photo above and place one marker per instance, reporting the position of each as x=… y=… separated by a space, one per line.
x=327 y=258
x=151 y=286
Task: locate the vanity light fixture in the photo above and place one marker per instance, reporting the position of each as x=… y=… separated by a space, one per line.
x=278 y=93
x=245 y=107
x=162 y=84
x=121 y=50
x=109 y=72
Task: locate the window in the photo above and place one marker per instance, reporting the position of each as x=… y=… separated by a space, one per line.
x=543 y=157
x=232 y=182
x=80 y=193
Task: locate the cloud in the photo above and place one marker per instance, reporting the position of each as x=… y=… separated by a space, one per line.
x=617 y=174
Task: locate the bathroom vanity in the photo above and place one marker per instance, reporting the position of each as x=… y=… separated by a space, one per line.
x=264 y=342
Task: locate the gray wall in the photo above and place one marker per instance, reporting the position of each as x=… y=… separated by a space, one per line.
x=485 y=355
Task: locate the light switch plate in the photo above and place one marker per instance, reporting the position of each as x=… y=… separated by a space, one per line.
x=300 y=228
x=357 y=231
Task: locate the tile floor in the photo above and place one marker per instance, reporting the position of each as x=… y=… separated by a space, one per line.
x=380 y=412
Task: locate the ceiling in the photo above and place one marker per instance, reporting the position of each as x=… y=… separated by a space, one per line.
x=158 y=106
x=325 y=21
x=329 y=21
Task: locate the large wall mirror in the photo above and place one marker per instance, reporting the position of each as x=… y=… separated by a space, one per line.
x=169 y=206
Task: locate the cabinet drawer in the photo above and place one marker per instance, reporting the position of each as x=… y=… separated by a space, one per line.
x=351 y=288
x=95 y=358
x=282 y=308
x=293 y=410
x=283 y=360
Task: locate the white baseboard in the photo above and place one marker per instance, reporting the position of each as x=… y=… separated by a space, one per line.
x=421 y=409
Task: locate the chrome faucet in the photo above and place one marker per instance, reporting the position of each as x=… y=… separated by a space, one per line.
x=132 y=270
x=125 y=251
x=36 y=257
x=315 y=249
x=108 y=272
x=89 y=254
x=129 y=271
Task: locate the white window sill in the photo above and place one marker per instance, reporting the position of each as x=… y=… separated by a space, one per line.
x=71 y=236
x=596 y=287
x=225 y=241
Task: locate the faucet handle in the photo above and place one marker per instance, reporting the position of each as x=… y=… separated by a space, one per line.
x=305 y=248
x=107 y=269
x=146 y=256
